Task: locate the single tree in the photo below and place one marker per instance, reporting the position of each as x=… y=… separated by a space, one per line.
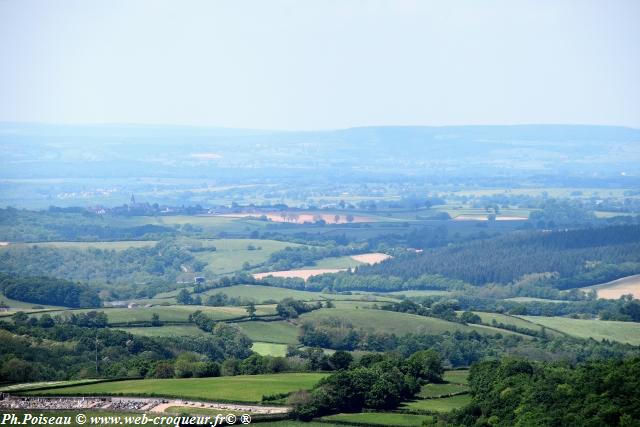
x=251 y=309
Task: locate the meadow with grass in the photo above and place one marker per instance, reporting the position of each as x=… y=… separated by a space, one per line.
x=242 y=389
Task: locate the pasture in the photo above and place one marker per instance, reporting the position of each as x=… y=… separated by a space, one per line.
x=241 y=388
x=15 y=305
x=167 y=331
x=43 y=384
x=431 y=390
x=379 y=419
x=264 y=293
x=624 y=332
x=386 y=321
x=302 y=218
x=444 y=404
x=458 y=376
x=260 y=293
x=302 y=274
x=616 y=288
x=269 y=349
x=280 y=332
x=231 y=254
x=518 y=322
x=462 y=213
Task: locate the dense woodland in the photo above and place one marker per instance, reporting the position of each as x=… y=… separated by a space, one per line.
x=518 y=392
x=580 y=257
x=50 y=291
x=133 y=272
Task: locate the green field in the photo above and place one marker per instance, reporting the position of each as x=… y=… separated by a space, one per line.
x=625 y=332
x=262 y=293
x=419 y=293
x=460 y=376
x=337 y=262
x=280 y=332
x=24 y=306
x=242 y=388
x=432 y=390
x=445 y=404
x=511 y=320
x=607 y=214
x=43 y=384
x=118 y=245
x=167 y=331
x=463 y=211
x=389 y=321
x=269 y=349
x=380 y=418
x=231 y=254
x=356 y=305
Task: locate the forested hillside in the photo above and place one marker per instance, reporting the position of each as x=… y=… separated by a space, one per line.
x=126 y=273
x=579 y=257
x=47 y=290
x=518 y=392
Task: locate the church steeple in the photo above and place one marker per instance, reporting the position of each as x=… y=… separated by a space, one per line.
x=133 y=200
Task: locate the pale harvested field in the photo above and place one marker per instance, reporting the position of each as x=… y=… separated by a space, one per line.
x=372 y=258
x=303 y=274
x=295 y=218
x=471 y=218
x=616 y=288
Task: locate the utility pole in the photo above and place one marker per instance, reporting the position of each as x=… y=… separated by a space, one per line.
x=96 y=353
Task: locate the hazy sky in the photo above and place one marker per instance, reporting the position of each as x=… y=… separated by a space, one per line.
x=320 y=64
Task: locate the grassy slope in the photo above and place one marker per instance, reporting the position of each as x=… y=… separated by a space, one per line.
x=625 y=332
x=25 y=306
x=459 y=376
x=261 y=293
x=274 y=332
x=380 y=418
x=167 y=331
x=392 y=322
x=264 y=293
x=445 y=404
x=432 y=390
x=511 y=320
x=269 y=349
x=231 y=254
x=336 y=262
x=242 y=388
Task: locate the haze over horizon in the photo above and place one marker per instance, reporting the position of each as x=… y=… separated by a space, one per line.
x=324 y=65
